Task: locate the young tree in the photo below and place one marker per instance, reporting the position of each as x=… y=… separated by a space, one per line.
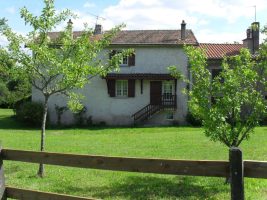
x=232 y=104
x=60 y=66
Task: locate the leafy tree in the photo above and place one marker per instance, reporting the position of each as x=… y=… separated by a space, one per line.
x=14 y=85
x=232 y=104
x=60 y=66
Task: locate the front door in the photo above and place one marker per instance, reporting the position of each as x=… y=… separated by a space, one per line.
x=155 y=92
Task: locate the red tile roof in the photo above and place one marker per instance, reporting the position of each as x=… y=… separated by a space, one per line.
x=218 y=51
x=133 y=37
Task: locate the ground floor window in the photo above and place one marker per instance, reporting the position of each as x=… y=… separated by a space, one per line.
x=167 y=89
x=121 y=88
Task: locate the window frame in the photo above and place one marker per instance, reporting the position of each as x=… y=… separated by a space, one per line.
x=122 y=86
x=168 y=96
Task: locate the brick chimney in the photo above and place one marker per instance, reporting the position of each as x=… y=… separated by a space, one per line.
x=98 y=29
x=183 y=30
x=252 y=42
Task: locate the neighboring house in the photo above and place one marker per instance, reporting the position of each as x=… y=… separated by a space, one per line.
x=143 y=91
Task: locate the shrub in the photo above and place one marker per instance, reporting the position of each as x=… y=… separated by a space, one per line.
x=263 y=121
x=79 y=117
x=190 y=119
x=30 y=113
x=59 y=111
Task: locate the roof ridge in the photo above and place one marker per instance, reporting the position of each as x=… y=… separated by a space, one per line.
x=155 y=30
x=219 y=43
x=134 y=30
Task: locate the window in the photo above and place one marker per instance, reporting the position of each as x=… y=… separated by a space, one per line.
x=127 y=61
x=124 y=61
x=215 y=73
x=122 y=88
x=167 y=89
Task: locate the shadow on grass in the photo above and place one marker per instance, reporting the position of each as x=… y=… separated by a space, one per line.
x=137 y=187
x=9 y=122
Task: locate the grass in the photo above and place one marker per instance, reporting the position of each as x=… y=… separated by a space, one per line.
x=160 y=142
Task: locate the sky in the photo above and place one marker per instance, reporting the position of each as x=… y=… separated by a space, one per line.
x=212 y=21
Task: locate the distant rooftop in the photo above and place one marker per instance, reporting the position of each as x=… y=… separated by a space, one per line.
x=218 y=51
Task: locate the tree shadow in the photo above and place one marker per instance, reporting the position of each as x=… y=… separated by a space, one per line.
x=9 y=122
x=139 y=188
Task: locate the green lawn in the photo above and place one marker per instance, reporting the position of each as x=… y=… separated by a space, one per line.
x=160 y=142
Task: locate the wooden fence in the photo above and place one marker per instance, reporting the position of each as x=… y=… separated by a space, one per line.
x=236 y=169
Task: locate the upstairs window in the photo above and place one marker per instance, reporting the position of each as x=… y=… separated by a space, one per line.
x=126 y=61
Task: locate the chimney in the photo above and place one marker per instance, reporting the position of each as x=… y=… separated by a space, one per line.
x=183 y=30
x=255 y=26
x=98 y=29
x=69 y=26
x=252 y=42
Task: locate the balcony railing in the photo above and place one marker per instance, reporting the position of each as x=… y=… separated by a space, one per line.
x=169 y=101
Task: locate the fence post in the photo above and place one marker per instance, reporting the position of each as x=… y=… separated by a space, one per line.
x=2 y=178
x=236 y=174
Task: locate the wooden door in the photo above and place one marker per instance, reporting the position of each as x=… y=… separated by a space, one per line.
x=155 y=92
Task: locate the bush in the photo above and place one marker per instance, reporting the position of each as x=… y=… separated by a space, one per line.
x=190 y=119
x=263 y=121
x=79 y=117
x=30 y=113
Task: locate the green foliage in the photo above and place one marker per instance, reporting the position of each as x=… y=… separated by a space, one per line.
x=30 y=113
x=238 y=103
x=59 y=111
x=14 y=84
x=175 y=73
x=192 y=120
x=80 y=118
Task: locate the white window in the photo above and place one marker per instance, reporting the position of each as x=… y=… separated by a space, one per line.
x=167 y=89
x=122 y=88
x=124 y=61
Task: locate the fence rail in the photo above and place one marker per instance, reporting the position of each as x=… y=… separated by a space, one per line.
x=253 y=169
x=145 y=165
x=17 y=193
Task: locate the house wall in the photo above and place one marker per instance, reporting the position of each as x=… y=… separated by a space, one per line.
x=118 y=111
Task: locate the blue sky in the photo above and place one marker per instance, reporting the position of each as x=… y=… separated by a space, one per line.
x=216 y=21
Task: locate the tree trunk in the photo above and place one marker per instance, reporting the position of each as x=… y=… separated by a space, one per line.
x=42 y=148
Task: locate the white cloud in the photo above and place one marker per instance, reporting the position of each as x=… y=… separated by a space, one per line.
x=79 y=22
x=199 y=15
x=89 y=5
x=11 y=10
x=164 y=13
x=3 y=41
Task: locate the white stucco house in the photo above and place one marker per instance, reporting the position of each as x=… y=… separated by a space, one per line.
x=143 y=91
